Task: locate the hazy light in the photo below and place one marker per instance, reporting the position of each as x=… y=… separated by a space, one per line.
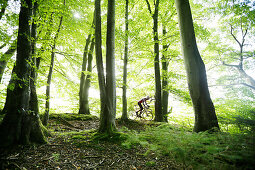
x=77 y=15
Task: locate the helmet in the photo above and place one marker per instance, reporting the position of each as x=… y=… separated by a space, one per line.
x=147 y=97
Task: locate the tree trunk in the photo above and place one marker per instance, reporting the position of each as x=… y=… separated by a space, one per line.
x=86 y=87
x=124 y=95
x=47 y=104
x=164 y=80
x=33 y=95
x=6 y=57
x=19 y=125
x=158 y=104
x=205 y=117
x=108 y=96
x=82 y=80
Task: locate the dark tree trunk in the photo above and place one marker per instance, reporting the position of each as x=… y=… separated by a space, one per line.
x=4 y=4
x=20 y=126
x=33 y=95
x=47 y=104
x=6 y=57
x=165 y=92
x=83 y=76
x=158 y=104
x=107 y=117
x=124 y=95
x=205 y=117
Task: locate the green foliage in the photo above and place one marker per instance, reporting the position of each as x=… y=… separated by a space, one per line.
x=196 y=150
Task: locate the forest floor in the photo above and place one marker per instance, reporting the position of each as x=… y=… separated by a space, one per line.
x=70 y=148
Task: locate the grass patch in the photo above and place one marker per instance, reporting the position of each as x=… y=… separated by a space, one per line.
x=196 y=150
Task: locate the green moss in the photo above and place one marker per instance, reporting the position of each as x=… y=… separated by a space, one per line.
x=71 y=116
x=115 y=137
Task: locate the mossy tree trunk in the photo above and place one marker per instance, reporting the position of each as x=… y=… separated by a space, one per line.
x=108 y=88
x=205 y=116
x=124 y=93
x=21 y=126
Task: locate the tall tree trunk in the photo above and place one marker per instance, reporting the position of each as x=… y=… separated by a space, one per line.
x=6 y=57
x=19 y=125
x=99 y=58
x=83 y=76
x=164 y=80
x=205 y=117
x=108 y=89
x=47 y=104
x=158 y=104
x=88 y=78
x=124 y=93
x=33 y=95
x=4 y=4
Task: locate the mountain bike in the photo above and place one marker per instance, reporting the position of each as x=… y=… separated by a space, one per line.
x=146 y=113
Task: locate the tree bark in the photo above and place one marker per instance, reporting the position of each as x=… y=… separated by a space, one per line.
x=165 y=92
x=158 y=104
x=6 y=57
x=108 y=89
x=205 y=117
x=83 y=76
x=33 y=95
x=47 y=104
x=20 y=126
x=124 y=93
x=85 y=105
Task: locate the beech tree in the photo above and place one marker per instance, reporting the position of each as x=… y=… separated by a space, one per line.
x=158 y=104
x=21 y=126
x=124 y=87
x=53 y=48
x=205 y=116
x=107 y=86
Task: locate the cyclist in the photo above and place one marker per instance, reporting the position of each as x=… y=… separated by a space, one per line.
x=140 y=102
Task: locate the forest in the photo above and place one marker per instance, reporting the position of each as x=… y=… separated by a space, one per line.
x=127 y=84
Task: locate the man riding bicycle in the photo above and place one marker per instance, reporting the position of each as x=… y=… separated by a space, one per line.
x=140 y=102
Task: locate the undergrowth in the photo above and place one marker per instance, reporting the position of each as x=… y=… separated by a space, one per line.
x=196 y=150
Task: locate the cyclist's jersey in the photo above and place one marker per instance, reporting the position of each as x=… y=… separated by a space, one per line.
x=142 y=100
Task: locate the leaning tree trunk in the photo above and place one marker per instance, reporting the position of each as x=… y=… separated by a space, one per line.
x=124 y=94
x=205 y=117
x=108 y=96
x=20 y=126
x=6 y=57
x=47 y=104
x=88 y=80
x=165 y=92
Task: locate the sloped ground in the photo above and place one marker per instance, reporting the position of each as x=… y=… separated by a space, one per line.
x=67 y=151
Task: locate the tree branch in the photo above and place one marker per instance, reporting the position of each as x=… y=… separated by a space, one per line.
x=149 y=6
